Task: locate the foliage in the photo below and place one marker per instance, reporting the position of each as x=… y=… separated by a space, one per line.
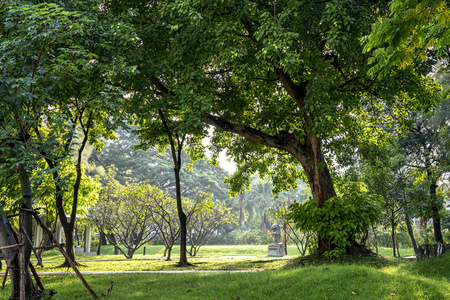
x=45 y=192
x=410 y=29
x=157 y=168
x=341 y=219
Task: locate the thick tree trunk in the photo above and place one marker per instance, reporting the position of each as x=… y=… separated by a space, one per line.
x=70 y=245
x=308 y=153
x=437 y=227
x=17 y=259
x=130 y=253
x=26 y=235
x=11 y=255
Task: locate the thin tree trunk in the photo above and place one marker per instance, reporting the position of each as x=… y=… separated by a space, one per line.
x=100 y=242
x=241 y=209
x=169 y=253
x=393 y=235
x=410 y=231
x=176 y=157
x=376 y=239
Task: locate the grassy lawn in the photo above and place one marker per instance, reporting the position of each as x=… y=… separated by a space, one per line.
x=296 y=278
x=157 y=252
x=364 y=278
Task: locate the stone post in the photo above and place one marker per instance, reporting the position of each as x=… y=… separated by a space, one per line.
x=38 y=235
x=277 y=247
x=87 y=239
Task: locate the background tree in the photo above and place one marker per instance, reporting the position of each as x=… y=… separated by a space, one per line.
x=165 y=217
x=206 y=217
x=426 y=149
x=157 y=168
x=125 y=211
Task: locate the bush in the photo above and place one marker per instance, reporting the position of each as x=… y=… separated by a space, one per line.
x=341 y=219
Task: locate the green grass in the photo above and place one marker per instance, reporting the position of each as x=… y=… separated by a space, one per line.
x=373 y=277
x=157 y=251
x=301 y=278
x=388 y=251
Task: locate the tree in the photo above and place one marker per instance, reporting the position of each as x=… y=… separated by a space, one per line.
x=280 y=82
x=426 y=149
x=165 y=216
x=126 y=211
x=35 y=42
x=157 y=168
x=206 y=217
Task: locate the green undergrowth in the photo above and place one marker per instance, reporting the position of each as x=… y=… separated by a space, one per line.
x=372 y=277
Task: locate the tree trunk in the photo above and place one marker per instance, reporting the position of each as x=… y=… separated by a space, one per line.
x=410 y=231
x=67 y=226
x=437 y=227
x=241 y=209
x=436 y=217
x=101 y=242
x=169 y=253
x=375 y=238
x=307 y=152
x=17 y=259
x=25 y=221
x=99 y=247
x=70 y=246
x=130 y=253
x=11 y=255
x=393 y=235
x=176 y=157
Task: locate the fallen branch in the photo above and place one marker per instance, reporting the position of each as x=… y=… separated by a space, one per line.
x=110 y=288
x=4 y=278
x=32 y=248
x=36 y=277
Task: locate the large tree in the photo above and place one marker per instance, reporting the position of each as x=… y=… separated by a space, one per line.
x=36 y=43
x=280 y=81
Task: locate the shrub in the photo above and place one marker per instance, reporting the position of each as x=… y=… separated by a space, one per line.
x=341 y=219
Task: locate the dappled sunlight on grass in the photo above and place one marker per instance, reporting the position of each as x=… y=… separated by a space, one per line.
x=318 y=278
x=365 y=277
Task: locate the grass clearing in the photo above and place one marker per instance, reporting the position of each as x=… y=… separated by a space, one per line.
x=157 y=251
x=297 y=278
x=300 y=278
